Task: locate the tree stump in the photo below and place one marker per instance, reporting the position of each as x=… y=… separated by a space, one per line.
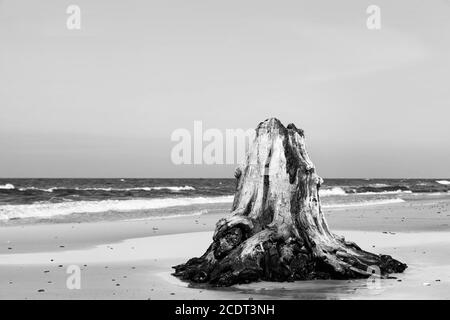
x=277 y=230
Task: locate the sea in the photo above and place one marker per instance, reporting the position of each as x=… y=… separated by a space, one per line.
x=32 y=201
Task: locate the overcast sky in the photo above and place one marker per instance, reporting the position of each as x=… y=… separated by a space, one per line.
x=103 y=101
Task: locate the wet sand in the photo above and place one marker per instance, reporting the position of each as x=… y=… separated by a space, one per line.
x=133 y=259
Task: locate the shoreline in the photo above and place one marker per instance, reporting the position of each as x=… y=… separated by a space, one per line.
x=133 y=259
x=414 y=216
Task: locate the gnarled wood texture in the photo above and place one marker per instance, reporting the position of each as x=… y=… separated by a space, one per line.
x=277 y=230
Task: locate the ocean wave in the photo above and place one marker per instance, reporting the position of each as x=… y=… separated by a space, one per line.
x=171 y=216
x=379 y=189
x=7 y=186
x=49 y=210
x=364 y=203
x=444 y=182
x=37 y=189
x=385 y=192
x=46 y=210
x=185 y=188
x=379 y=185
x=52 y=189
x=336 y=191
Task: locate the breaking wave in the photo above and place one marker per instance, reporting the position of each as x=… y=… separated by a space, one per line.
x=336 y=191
x=181 y=188
x=379 y=185
x=7 y=186
x=46 y=210
x=386 y=192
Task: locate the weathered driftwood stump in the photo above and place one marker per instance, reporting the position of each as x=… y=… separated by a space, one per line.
x=277 y=230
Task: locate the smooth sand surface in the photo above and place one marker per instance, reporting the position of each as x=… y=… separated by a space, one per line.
x=133 y=259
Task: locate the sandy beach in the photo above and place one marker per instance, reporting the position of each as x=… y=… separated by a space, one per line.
x=132 y=259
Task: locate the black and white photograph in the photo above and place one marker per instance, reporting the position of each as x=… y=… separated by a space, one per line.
x=224 y=150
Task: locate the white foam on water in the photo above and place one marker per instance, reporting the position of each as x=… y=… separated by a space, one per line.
x=38 y=189
x=385 y=192
x=45 y=209
x=7 y=186
x=336 y=191
x=48 y=210
x=379 y=185
x=171 y=188
x=444 y=182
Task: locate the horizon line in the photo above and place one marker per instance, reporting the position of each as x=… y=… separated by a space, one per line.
x=130 y=178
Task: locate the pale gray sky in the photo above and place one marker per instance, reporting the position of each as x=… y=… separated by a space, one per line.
x=103 y=101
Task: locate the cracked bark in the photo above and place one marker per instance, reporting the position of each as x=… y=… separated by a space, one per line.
x=277 y=230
